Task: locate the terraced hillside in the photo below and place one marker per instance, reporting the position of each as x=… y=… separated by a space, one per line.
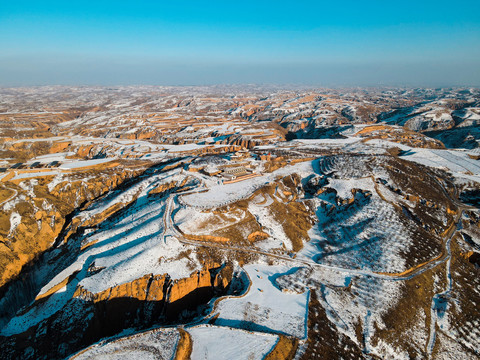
x=243 y=223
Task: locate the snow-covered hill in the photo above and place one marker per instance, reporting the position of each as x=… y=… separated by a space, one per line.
x=239 y=223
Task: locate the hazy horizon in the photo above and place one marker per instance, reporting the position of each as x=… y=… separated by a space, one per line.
x=431 y=44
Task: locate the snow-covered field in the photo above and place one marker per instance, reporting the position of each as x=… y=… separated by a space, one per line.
x=455 y=161
x=27 y=175
x=151 y=345
x=265 y=307
x=129 y=248
x=84 y=163
x=367 y=229
x=218 y=342
x=222 y=194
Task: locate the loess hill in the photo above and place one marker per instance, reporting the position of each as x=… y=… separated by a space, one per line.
x=239 y=222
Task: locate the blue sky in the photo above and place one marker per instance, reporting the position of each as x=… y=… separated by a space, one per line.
x=430 y=43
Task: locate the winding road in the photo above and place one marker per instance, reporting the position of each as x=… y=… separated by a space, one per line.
x=170 y=229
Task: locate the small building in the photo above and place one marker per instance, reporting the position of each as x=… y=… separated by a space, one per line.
x=238 y=171
x=211 y=170
x=229 y=177
x=16 y=166
x=240 y=155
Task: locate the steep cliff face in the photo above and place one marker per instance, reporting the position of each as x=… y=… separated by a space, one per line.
x=32 y=221
x=88 y=317
x=257 y=236
x=162 y=288
x=31 y=237
x=27 y=149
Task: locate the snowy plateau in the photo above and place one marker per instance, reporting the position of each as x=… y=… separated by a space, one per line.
x=239 y=222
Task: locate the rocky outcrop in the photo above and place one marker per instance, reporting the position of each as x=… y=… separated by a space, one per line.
x=163 y=188
x=59 y=147
x=183 y=287
x=34 y=234
x=161 y=287
x=257 y=236
x=84 y=151
x=139 y=135
x=314 y=184
x=399 y=135
x=88 y=317
x=40 y=228
x=473 y=257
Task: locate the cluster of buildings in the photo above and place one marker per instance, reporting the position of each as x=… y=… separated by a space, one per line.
x=237 y=169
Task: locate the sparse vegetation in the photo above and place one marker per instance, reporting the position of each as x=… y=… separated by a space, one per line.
x=117 y=215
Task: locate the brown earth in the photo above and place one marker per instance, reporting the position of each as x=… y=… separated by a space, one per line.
x=285 y=349
x=324 y=341
x=88 y=317
x=39 y=228
x=399 y=135
x=184 y=346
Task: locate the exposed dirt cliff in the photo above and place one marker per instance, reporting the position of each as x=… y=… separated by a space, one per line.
x=43 y=212
x=88 y=317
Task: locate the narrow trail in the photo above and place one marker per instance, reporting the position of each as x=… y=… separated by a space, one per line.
x=439 y=304
x=445 y=254
x=10 y=198
x=439 y=300
x=171 y=229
